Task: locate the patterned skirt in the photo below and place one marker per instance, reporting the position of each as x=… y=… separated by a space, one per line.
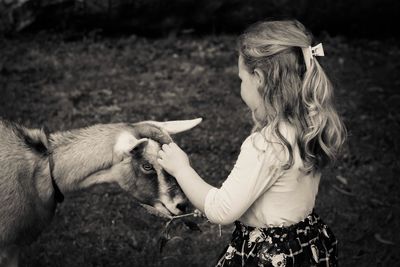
x=307 y=243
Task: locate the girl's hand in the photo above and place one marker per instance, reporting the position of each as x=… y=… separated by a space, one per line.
x=173 y=159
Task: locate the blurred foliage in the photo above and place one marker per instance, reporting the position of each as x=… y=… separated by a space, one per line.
x=71 y=80
x=369 y=18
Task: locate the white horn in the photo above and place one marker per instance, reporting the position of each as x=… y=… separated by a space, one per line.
x=174 y=127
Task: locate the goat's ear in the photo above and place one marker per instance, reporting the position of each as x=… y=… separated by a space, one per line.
x=36 y=139
x=174 y=127
x=126 y=143
x=139 y=147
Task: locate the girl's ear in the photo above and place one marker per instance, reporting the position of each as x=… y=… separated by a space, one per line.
x=260 y=77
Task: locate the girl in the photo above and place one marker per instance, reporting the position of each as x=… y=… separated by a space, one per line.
x=270 y=193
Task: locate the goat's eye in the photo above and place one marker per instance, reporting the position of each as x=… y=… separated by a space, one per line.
x=147 y=167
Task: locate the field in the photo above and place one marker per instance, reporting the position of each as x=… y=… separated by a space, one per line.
x=72 y=80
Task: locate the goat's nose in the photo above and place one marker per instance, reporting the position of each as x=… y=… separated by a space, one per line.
x=182 y=207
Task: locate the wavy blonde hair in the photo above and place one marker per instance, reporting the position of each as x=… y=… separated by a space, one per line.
x=292 y=93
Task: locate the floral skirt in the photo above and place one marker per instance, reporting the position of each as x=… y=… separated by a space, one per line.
x=307 y=243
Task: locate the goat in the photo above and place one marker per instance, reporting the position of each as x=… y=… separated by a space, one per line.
x=37 y=168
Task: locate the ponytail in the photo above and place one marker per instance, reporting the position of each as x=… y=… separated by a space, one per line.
x=324 y=132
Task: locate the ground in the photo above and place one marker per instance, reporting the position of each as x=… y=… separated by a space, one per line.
x=72 y=80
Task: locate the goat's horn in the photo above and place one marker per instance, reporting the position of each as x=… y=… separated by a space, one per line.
x=173 y=127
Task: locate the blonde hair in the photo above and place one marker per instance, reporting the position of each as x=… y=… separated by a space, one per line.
x=292 y=93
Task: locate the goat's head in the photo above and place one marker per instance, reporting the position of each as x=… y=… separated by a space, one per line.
x=144 y=177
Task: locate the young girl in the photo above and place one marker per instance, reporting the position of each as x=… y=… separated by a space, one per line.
x=270 y=193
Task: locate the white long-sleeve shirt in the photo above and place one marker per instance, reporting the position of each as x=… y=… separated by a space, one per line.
x=258 y=192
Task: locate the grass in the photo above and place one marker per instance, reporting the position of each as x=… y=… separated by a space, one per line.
x=72 y=80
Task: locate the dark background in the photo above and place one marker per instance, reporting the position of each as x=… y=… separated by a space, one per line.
x=69 y=64
x=369 y=18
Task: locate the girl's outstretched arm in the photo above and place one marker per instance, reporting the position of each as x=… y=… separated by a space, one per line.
x=175 y=161
x=256 y=169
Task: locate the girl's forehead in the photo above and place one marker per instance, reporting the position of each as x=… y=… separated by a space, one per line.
x=240 y=60
x=240 y=63
x=241 y=66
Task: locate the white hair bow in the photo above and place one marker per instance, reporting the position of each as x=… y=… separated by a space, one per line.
x=310 y=52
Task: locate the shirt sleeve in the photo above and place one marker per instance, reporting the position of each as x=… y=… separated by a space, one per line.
x=253 y=173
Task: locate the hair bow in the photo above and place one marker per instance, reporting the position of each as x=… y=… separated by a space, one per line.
x=310 y=52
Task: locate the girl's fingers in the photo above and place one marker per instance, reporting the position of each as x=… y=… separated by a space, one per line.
x=165 y=147
x=161 y=154
x=174 y=145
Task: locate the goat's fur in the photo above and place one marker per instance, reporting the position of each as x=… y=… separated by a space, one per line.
x=82 y=157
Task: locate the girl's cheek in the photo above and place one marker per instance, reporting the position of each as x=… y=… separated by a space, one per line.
x=243 y=94
x=247 y=102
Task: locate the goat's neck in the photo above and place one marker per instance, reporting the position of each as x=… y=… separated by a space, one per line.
x=81 y=155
